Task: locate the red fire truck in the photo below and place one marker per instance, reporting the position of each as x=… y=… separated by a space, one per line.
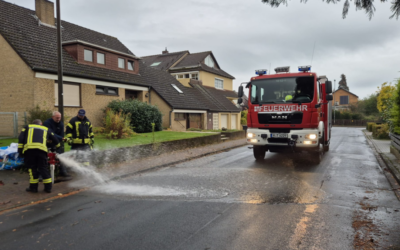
x=289 y=112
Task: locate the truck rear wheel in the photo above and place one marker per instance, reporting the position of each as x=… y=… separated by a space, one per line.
x=259 y=152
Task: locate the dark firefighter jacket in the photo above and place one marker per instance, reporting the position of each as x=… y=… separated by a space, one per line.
x=36 y=137
x=80 y=131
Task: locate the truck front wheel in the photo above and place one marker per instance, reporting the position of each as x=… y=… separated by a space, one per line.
x=259 y=152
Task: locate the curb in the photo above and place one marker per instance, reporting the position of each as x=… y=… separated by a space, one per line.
x=383 y=160
x=72 y=192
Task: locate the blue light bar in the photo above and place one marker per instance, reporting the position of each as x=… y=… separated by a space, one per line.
x=261 y=72
x=305 y=68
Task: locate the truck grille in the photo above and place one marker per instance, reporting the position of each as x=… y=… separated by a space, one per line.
x=273 y=118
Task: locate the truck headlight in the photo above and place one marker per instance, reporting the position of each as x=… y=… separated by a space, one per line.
x=311 y=136
x=250 y=135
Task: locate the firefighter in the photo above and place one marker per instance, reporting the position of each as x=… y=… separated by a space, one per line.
x=55 y=125
x=79 y=133
x=32 y=145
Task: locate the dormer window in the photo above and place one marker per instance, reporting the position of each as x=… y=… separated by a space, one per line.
x=100 y=58
x=155 y=64
x=209 y=61
x=131 y=65
x=88 y=55
x=121 y=63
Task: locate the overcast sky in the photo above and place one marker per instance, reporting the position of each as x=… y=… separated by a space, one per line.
x=245 y=35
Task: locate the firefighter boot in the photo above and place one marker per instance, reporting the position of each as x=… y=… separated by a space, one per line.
x=33 y=188
x=47 y=187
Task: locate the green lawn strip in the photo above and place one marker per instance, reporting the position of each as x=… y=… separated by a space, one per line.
x=101 y=142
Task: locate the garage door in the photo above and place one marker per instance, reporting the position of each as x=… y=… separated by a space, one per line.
x=224 y=121
x=215 y=121
x=233 y=121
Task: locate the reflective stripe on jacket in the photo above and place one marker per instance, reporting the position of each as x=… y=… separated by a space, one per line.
x=35 y=137
x=80 y=131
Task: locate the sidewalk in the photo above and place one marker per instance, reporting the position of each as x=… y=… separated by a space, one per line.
x=383 y=149
x=13 y=184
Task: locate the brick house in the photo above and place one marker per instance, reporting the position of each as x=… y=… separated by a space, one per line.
x=342 y=98
x=98 y=68
x=201 y=75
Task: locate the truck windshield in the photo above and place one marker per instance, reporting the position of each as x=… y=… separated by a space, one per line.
x=283 y=90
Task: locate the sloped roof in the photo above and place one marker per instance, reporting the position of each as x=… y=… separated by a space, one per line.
x=165 y=60
x=37 y=46
x=193 y=59
x=214 y=99
x=346 y=91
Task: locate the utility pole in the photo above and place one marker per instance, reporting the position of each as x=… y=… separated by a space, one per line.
x=334 y=103
x=60 y=68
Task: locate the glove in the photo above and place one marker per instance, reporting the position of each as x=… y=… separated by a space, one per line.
x=64 y=139
x=69 y=141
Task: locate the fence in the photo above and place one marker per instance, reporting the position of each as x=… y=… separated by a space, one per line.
x=11 y=123
x=395 y=140
x=349 y=122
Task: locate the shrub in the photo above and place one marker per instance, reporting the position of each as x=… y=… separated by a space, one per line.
x=142 y=115
x=345 y=115
x=369 y=126
x=395 y=111
x=382 y=132
x=243 y=118
x=356 y=116
x=117 y=125
x=38 y=113
x=375 y=129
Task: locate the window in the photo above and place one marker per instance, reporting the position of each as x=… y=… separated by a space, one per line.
x=100 y=58
x=219 y=83
x=187 y=75
x=121 y=63
x=72 y=94
x=88 y=55
x=131 y=65
x=209 y=61
x=344 y=100
x=177 y=89
x=155 y=64
x=102 y=90
x=180 y=117
x=180 y=76
x=195 y=76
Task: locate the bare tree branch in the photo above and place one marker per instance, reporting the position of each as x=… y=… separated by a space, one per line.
x=366 y=5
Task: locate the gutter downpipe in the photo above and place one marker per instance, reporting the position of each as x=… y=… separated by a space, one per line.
x=170 y=118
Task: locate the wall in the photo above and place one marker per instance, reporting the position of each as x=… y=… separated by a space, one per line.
x=336 y=96
x=163 y=106
x=16 y=82
x=209 y=80
x=178 y=125
x=238 y=126
x=184 y=81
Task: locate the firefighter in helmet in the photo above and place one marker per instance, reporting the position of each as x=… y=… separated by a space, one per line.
x=33 y=145
x=79 y=133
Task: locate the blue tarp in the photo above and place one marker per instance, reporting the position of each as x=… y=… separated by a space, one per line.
x=10 y=158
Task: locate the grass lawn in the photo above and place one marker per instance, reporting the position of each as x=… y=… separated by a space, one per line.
x=101 y=142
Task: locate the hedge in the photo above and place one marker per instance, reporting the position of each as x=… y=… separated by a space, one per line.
x=369 y=126
x=142 y=114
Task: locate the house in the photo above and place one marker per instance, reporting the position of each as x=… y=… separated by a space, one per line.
x=201 y=75
x=342 y=98
x=97 y=68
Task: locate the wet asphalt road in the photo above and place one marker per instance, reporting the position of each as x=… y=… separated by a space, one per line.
x=226 y=201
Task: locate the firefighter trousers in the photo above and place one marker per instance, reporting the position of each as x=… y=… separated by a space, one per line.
x=36 y=161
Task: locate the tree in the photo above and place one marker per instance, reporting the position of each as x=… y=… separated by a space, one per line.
x=369 y=104
x=385 y=101
x=366 y=5
x=343 y=82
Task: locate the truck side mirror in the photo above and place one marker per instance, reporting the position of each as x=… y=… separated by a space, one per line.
x=240 y=92
x=328 y=87
x=329 y=97
x=239 y=101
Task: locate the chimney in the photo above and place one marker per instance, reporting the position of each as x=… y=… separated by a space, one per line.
x=45 y=11
x=165 y=51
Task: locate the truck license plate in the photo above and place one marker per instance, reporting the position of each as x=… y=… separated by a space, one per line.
x=279 y=135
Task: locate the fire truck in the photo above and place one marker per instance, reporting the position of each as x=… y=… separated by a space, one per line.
x=288 y=112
